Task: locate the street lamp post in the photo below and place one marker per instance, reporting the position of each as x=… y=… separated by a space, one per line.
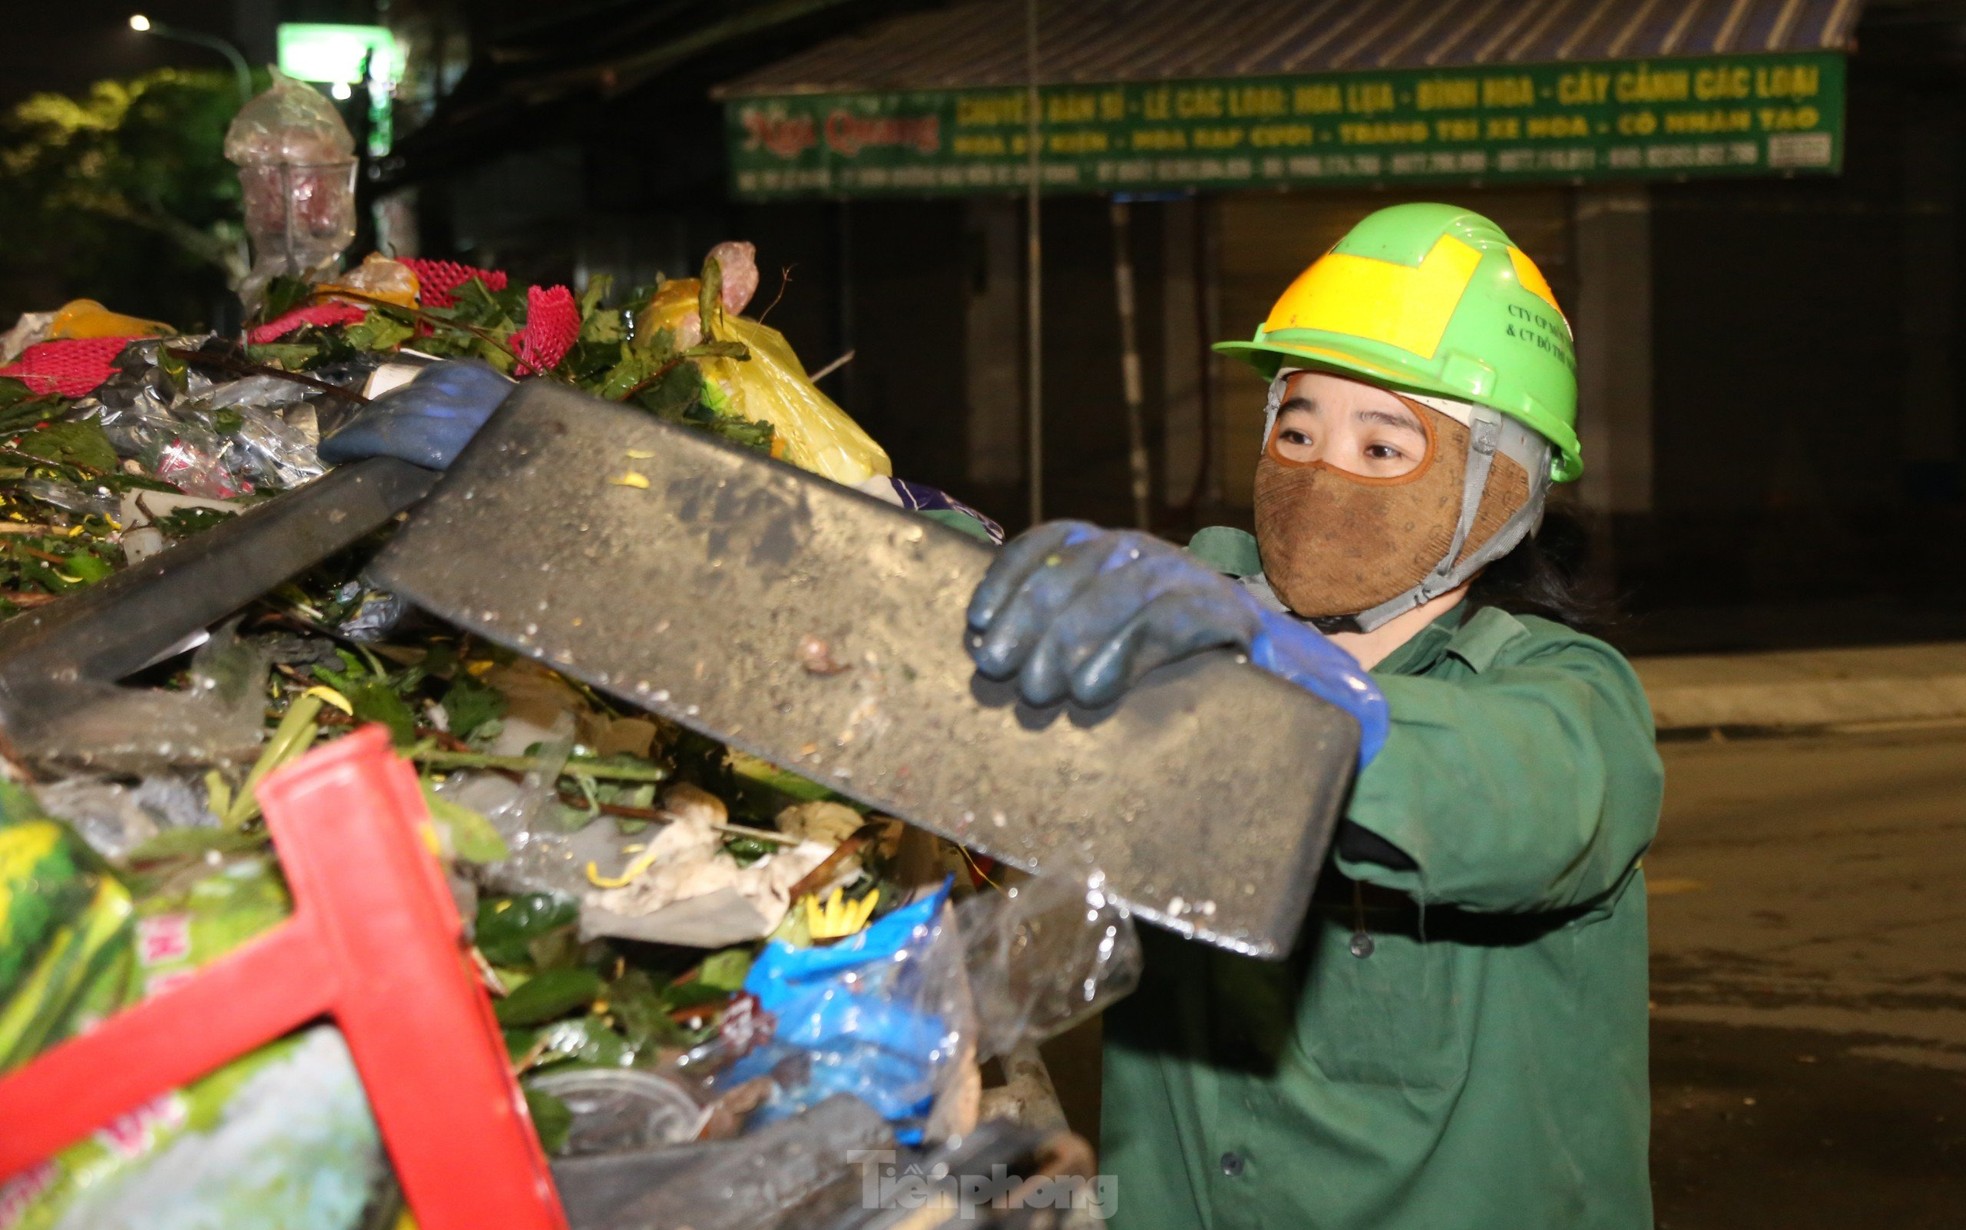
x=244 y=75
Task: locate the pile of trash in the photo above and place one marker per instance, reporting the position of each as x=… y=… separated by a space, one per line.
x=684 y=945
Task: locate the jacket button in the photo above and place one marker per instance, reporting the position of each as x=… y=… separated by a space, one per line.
x=1362 y=945
x=1232 y=1164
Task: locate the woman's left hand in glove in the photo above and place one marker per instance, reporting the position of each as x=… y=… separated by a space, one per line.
x=1072 y=610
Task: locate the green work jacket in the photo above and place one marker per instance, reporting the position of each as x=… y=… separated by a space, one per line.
x=1459 y=1040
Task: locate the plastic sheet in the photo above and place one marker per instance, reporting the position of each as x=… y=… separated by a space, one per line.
x=218 y=718
x=297 y=174
x=619 y=1109
x=772 y=385
x=115 y=818
x=1043 y=956
x=884 y=1015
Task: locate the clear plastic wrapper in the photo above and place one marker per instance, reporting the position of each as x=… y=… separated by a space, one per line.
x=297 y=174
x=884 y=1015
x=1043 y=956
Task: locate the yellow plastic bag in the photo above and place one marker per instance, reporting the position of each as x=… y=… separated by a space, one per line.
x=808 y=429
x=87 y=318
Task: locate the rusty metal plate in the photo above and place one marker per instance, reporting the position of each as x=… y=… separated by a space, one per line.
x=822 y=629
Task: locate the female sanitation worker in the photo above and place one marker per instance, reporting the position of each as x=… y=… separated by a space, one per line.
x=1459 y=1040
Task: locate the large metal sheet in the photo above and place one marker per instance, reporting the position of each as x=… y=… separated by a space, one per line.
x=822 y=629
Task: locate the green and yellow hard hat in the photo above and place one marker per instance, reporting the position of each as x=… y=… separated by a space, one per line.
x=1433 y=299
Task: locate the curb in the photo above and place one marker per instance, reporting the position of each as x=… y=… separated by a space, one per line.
x=1815 y=688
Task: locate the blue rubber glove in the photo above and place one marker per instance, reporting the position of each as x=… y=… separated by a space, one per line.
x=426 y=422
x=1072 y=610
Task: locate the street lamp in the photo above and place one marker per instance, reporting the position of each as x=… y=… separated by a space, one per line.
x=143 y=25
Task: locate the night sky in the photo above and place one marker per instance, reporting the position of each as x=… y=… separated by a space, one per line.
x=68 y=45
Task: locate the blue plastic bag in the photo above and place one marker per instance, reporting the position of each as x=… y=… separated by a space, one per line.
x=881 y=1015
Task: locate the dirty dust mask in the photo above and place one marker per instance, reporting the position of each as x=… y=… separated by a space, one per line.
x=1357 y=550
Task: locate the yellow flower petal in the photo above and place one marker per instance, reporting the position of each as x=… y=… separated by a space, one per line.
x=332 y=697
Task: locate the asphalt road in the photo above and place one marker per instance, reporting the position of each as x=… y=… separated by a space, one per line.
x=1809 y=983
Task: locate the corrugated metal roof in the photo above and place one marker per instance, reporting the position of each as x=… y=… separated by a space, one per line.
x=980 y=43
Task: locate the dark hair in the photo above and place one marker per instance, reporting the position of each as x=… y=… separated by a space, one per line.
x=1548 y=575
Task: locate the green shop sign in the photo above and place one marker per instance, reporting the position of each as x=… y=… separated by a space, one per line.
x=1640 y=119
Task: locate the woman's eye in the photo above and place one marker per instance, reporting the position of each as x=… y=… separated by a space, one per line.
x=1382 y=452
x=1291 y=435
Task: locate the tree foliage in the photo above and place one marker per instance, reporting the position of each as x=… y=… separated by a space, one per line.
x=122 y=195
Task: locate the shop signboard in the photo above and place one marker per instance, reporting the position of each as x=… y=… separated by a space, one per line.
x=1639 y=119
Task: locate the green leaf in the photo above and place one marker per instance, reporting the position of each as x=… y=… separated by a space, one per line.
x=287 y=356
x=553 y=993
x=771 y=776
x=594 y=295
x=283 y=295
x=14 y=391
x=472 y=837
x=637 y=1008
x=378 y=331
x=184 y=522
x=192 y=843
x=496 y=310
x=693 y=993
x=89 y=566
x=174 y=367
x=585 y=1040
x=550 y=1118
x=672 y=396
x=470 y=704
x=377 y=702
x=725 y=970
x=718 y=350
x=507 y=926
x=75 y=443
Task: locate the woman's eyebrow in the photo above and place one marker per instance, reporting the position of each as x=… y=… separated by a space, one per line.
x=1297 y=403
x=1390 y=419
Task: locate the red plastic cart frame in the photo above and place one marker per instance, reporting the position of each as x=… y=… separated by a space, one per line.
x=374 y=943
